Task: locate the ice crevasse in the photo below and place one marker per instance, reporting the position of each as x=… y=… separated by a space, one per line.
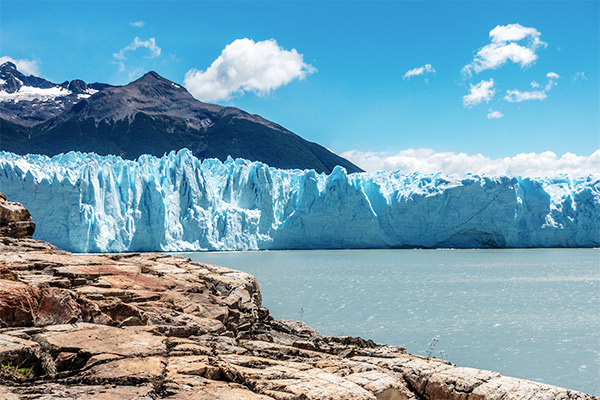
x=90 y=203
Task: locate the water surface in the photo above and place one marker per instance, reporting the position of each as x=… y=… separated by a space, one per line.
x=528 y=313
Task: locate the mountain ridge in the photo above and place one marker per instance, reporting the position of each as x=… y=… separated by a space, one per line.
x=31 y=100
x=153 y=115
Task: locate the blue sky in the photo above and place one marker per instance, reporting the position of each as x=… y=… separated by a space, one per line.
x=355 y=55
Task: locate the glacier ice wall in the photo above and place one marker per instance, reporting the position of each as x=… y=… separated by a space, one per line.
x=89 y=203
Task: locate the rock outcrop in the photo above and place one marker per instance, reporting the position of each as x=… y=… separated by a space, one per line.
x=15 y=220
x=151 y=326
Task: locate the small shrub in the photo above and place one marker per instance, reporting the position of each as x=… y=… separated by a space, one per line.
x=431 y=347
x=16 y=372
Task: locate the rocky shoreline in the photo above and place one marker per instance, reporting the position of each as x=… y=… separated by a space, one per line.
x=150 y=326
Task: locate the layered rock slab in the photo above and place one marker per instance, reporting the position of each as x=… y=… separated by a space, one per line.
x=15 y=220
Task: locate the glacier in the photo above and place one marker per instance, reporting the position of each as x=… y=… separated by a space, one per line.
x=89 y=203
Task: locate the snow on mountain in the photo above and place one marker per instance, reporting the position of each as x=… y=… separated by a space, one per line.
x=88 y=203
x=31 y=100
x=30 y=93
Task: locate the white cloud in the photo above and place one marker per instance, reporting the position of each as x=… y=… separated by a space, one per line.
x=427 y=68
x=483 y=91
x=517 y=96
x=580 y=75
x=246 y=65
x=523 y=164
x=137 y=24
x=514 y=33
x=495 y=115
x=27 y=67
x=149 y=44
x=552 y=77
x=504 y=47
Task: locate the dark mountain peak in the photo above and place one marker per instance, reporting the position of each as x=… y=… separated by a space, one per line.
x=153 y=75
x=152 y=78
x=150 y=94
x=7 y=66
x=152 y=84
x=77 y=86
x=14 y=79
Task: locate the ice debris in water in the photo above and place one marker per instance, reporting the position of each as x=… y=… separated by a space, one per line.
x=89 y=203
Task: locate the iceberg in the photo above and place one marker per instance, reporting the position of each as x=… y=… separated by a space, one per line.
x=89 y=203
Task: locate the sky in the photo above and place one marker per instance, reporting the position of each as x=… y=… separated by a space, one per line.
x=388 y=84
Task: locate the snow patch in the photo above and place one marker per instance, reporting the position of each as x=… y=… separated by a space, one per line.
x=28 y=93
x=88 y=93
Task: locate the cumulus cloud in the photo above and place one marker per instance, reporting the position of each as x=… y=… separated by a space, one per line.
x=246 y=65
x=27 y=67
x=512 y=42
x=515 y=33
x=137 y=24
x=495 y=115
x=427 y=68
x=517 y=96
x=523 y=164
x=483 y=91
x=149 y=44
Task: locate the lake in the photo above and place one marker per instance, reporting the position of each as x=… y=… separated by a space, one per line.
x=528 y=313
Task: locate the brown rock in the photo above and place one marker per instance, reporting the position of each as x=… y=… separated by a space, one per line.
x=173 y=323
x=24 y=305
x=75 y=392
x=382 y=385
x=18 y=302
x=15 y=220
x=21 y=245
x=17 y=351
x=60 y=306
x=93 y=271
x=7 y=274
x=203 y=389
x=285 y=380
x=127 y=371
x=179 y=369
x=98 y=339
x=67 y=361
x=122 y=313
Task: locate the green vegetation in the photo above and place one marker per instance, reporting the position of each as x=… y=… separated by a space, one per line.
x=16 y=372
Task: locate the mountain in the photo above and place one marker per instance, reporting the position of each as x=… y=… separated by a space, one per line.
x=29 y=100
x=150 y=115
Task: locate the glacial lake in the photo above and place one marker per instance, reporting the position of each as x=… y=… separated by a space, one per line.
x=528 y=313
